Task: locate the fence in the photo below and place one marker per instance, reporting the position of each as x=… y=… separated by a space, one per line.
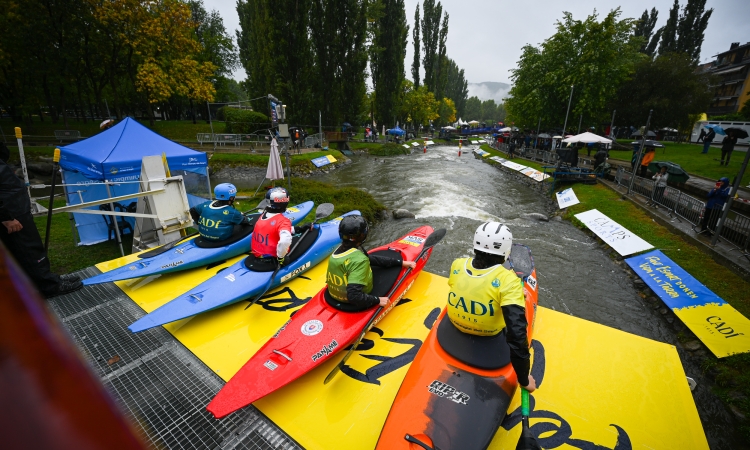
x=736 y=228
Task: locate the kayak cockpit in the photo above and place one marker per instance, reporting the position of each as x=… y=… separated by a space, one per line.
x=483 y=352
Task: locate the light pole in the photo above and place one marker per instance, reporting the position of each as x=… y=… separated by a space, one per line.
x=640 y=152
x=568 y=111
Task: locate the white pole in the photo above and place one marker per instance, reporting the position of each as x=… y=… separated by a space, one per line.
x=19 y=139
x=320 y=127
x=566 y=114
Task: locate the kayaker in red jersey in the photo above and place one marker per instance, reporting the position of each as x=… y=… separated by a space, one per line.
x=349 y=276
x=273 y=231
x=486 y=299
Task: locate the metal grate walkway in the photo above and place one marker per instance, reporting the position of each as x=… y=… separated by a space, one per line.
x=161 y=387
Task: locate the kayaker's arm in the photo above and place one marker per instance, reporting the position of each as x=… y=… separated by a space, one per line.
x=356 y=296
x=515 y=326
x=384 y=261
x=195 y=215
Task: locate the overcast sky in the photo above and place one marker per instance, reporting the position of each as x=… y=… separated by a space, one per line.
x=485 y=36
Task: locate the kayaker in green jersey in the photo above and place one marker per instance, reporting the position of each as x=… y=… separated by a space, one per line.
x=486 y=299
x=349 y=276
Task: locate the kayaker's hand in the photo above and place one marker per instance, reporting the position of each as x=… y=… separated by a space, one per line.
x=409 y=264
x=532 y=384
x=280 y=260
x=384 y=301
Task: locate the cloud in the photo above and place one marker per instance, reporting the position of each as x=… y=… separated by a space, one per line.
x=489 y=90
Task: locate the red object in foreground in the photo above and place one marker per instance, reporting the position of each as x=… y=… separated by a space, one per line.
x=49 y=399
x=311 y=337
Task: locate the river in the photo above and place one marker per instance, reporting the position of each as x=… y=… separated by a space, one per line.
x=576 y=276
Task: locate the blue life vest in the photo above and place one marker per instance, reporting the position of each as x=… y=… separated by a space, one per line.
x=217 y=222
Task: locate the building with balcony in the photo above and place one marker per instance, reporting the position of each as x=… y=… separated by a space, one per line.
x=732 y=86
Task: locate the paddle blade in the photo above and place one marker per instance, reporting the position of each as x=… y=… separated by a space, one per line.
x=434 y=238
x=527 y=441
x=323 y=210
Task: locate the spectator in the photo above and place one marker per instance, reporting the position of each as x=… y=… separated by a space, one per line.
x=600 y=158
x=716 y=199
x=708 y=139
x=701 y=136
x=661 y=183
x=647 y=158
x=19 y=234
x=727 y=145
x=511 y=149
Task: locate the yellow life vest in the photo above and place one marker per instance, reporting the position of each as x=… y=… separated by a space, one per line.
x=476 y=296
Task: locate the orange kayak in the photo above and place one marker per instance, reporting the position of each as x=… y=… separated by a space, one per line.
x=447 y=403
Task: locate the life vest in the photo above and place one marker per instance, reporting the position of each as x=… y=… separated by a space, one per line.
x=217 y=222
x=476 y=296
x=266 y=234
x=348 y=267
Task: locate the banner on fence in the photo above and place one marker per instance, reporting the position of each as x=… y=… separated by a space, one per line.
x=614 y=234
x=566 y=198
x=715 y=322
x=323 y=160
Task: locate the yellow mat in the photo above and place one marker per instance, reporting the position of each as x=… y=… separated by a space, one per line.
x=600 y=385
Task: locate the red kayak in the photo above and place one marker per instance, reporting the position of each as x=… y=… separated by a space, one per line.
x=319 y=330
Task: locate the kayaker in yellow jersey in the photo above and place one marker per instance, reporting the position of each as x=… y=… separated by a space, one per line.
x=486 y=299
x=349 y=276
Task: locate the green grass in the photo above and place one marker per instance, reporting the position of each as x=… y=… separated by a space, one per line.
x=731 y=373
x=390 y=149
x=177 y=130
x=220 y=160
x=691 y=159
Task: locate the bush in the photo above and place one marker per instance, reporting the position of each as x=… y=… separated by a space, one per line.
x=390 y=149
x=242 y=121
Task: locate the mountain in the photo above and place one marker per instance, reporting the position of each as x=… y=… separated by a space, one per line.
x=489 y=90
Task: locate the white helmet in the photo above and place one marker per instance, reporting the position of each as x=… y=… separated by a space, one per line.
x=494 y=238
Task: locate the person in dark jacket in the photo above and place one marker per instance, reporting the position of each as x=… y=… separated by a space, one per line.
x=20 y=235
x=716 y=199
x=708 y=139
x=727 y=146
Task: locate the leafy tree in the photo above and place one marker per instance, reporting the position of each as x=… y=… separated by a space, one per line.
x=415 y=38
x=594 y=56
x=217 y=45
x=431 y=41
x=645 y=29
x=387 y=55
x=745 y=111
x=668 y=42
x=685 y=32
x=456 y=86
x=473 y=109
x=418 y=105
x=229 y=90
x=667 y=84
x=446 y=111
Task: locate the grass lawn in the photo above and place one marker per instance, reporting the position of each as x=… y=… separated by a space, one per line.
x=177 y=130
x=691 y=159
x=219 y=160
x=732 y=373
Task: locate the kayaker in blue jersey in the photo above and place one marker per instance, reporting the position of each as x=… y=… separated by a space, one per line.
x=349 y=276
x=216 y=220
x=480 y=288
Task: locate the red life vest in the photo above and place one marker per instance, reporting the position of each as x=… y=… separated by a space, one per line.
x=266 y=234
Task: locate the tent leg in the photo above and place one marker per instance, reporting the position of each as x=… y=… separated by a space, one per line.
x=261 y=184
x=114 y=220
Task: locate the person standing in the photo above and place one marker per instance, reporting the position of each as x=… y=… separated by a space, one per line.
x=708 y=139
x=716 y=199
x=727 y=146
x=497 y=302
x=646 y=159
x=701 y=135
x=19 y=234
x=661 y=183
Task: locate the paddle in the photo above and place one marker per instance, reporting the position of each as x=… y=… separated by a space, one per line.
x=527 y=441
x=323 y=210
x=430 y=242
x=261 y=205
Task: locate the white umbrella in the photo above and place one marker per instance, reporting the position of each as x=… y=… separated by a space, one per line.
x=275 y=171
x=449 y=128
x=504 y=130
x=587 y=138
x=473 y=122
x=105 y=123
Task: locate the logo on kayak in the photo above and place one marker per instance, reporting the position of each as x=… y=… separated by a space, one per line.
x=230 y=277
x=447 y=391
x=532 y=282
x=414 y=241
x=312 y=327
x=172 y=264
x=326 y=350
x=292 y=209
x=270 y=365
x=295 y=272
x=179 y=250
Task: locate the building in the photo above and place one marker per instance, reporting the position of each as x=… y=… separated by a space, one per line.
x=732 y=69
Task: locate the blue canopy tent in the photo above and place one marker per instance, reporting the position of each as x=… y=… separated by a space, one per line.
x=396 y=131
x=115 y=156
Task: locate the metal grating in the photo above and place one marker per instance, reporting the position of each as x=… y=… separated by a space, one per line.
x=161 y=387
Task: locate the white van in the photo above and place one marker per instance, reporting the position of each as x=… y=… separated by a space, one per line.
x=723 y=124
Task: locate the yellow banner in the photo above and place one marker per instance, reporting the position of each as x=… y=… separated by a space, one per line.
x=723 y=329
x=599 y=385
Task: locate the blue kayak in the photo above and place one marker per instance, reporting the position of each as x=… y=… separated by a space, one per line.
x=193 y=253
x=247 y=278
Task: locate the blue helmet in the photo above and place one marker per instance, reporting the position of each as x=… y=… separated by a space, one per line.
x=225 y=191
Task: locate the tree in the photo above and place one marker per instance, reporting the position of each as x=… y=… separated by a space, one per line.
x=685 y=32
x=431 y=41
x=456 y=86
x=594 y=56
x=415 y=38
x=667 y=84
x=446 y=111
x=473 y=109
x=216 y=43
x=668 y=42
x=418 y=105
x=645 y=29
x=388 y=51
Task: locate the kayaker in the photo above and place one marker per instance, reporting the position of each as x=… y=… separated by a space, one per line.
x=273 y=231
x=349 y=276
x=216 y=220
x=481 y=287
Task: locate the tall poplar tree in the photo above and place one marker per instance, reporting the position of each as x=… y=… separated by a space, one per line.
x=415 y=38
x=387 y=58
x=456 y=88
x=645 y=29
x=431 y=13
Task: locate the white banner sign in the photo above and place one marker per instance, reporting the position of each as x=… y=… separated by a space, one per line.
x=567 y=198
x=415 y=144
x=498 y=159
x=406 y=146
x=514 y=166
x=614 y=234
x=474 y=142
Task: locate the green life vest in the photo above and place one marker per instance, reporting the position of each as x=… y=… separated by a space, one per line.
x=349 y=267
